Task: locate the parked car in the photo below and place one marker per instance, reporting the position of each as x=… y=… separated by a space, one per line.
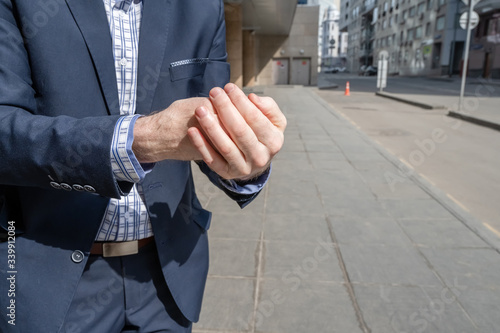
x=367 y=70
x=370 y=70
x=330 y=70
x=334 y=69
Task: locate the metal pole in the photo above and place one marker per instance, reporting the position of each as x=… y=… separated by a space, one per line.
x=466 y=57
x=452 y=53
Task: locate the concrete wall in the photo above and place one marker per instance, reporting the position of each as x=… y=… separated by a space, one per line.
x=251 y=54
x=302 y=42
x=234 y=41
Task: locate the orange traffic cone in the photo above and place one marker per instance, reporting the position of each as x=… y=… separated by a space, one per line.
x=347 y=90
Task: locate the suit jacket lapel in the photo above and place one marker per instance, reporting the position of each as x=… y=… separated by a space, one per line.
x=90 y=17
x=152 y=43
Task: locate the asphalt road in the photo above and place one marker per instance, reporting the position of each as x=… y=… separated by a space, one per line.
x=411 y=85
x=460 y=158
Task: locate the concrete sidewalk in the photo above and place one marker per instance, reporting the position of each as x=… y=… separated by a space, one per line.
x=479 y=108
x=344 y=240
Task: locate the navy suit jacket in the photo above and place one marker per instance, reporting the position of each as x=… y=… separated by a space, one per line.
x=58 y=109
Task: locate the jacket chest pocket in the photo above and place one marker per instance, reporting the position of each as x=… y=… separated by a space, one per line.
x=195 y=77
x=189 y=68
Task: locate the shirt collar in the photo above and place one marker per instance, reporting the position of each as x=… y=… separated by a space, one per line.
x=125 y=4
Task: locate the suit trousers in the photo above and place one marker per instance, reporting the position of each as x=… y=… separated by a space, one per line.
x=123 y=295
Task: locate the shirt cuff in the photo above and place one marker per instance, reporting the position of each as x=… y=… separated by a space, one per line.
x=247 y=187
x=124 y=164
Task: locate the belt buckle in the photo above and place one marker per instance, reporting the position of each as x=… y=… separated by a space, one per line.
x=120 y=249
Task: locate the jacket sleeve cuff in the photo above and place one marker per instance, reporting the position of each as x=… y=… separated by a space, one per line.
x=248 y=187
x=243 y=192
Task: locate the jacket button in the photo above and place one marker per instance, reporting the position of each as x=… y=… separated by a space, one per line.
x=77 y=256
x=66 y=187
x=55 y=185
x=89 y=188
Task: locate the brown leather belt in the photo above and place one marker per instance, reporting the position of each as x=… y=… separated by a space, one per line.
x=118 y=249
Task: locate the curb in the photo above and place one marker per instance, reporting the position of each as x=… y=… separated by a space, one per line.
x=407 y=101
x=326 y=87
x=474 y=120
x=469 y=221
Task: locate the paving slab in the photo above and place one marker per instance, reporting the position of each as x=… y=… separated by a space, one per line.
x=330 y=246
x=323 y=307
x=441 y=233
x=387 y=309
x=379 y=264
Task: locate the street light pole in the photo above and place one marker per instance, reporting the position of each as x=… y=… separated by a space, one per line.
x=466 y=57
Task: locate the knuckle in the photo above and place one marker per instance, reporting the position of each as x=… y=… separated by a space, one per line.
x=245 y=171
x=276 y=144
x=284 y=121
x=254 y=116
x=239 y=132
x=261 y=161
x=225 y=150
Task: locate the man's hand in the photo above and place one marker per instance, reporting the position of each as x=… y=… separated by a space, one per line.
x=163 y=135
x=241 y=141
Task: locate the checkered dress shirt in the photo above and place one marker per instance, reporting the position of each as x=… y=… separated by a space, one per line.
x=126 y=218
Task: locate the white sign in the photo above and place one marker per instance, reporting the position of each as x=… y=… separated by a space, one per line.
x=474 y=2
x=474 y=20
x=382 y=74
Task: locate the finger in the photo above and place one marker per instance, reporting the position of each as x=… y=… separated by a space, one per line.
x=201 y=144
x=220 y=140
x=240 y=132
x=270 y=109
x=263 y=128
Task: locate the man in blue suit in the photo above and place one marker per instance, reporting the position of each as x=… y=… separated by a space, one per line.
x=103 y=104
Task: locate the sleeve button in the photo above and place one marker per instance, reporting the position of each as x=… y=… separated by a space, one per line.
x=66 y=187
x=78 y=188
x=89 y=188
x=55 y=185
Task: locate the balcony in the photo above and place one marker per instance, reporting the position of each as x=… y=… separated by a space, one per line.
x=368 y=6
x=487 y=6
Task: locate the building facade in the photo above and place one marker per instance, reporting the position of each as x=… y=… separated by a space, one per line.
x=485 y=43
x=272 y=42
x=333 y=42
x=418 y=37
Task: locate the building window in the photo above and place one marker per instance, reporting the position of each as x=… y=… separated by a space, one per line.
x=391 y=19
x=428 y=29
x=440 y=23
x=412 y=11
x=389 y=41
x=441 y=2
x=402 y=37
x=405 y=15
x=384 y=24
x=409 y=35
x=421 y=8
x=302 y=2
x=429 y=4
x=418 y=32
x=493 y=26
x=386 y=6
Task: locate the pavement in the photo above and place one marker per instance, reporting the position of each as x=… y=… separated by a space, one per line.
x=480 y=105
x=344 y=239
